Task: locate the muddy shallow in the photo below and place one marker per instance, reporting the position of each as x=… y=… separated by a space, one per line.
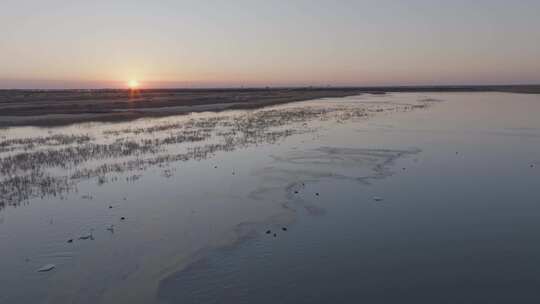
x=457 y=174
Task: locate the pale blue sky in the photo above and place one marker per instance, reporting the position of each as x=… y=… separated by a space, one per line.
x=55 y=43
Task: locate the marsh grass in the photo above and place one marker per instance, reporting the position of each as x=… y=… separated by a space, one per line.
x=53 y=165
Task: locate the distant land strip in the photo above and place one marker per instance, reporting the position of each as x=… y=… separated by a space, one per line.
x=63 y=107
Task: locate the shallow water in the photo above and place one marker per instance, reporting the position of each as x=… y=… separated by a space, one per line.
x=458 y=220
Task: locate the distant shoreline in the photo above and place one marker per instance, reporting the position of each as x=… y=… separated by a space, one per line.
x=64 y=107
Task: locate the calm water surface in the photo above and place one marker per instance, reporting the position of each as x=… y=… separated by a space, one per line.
x=458 y=175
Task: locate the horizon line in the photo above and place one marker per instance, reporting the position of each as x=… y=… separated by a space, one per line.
x=242 y=87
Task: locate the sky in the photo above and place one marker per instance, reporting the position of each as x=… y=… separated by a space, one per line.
x=106 y=44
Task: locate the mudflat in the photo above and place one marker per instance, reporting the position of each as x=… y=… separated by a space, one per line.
x=61 y=107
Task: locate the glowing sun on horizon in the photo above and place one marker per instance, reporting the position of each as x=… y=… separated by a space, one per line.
x=133 y=84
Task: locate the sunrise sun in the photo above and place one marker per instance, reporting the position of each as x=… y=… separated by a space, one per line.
x=133 y=84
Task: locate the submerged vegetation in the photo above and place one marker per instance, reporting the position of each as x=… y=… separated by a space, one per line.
x=52 y=165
